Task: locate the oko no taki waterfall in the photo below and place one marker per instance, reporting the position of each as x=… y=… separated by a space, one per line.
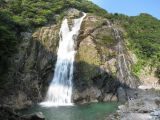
x=60 y=89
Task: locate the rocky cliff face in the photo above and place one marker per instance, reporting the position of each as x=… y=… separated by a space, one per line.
x=32 y=67
x=102 y=65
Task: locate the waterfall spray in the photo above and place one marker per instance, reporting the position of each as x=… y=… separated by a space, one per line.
x=60 y=89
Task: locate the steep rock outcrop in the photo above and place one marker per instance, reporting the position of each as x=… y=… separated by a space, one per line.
x=103 y=63
x=32 y=67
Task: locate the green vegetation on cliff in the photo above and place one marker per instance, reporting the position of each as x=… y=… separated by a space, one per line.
x=142 y=32
x=23 y=15
x=142 y=35
x=18 y=15
x=39 y=12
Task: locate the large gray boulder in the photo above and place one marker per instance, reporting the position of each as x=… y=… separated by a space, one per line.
x=35 y=116
x=121 y=94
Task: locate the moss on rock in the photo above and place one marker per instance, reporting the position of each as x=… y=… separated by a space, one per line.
x=88 y=54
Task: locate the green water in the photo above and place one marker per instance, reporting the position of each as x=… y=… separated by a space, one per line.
x=93 y=111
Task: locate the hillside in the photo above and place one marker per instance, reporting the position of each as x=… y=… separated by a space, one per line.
x=141 y=31
x=27 y=15
x=141 y=35
x=115 y=55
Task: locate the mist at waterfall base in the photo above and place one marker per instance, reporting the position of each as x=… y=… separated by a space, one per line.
x=92 y=111
x=60 y=89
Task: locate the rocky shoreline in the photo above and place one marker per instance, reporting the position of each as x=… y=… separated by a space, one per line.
x=145 y=107
x=7 y=113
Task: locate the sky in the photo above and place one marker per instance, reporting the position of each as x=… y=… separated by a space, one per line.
x=131 y=7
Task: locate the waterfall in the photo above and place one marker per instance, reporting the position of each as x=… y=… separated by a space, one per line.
x=60 y=89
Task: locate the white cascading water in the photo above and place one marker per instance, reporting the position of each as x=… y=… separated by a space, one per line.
x=60 y=89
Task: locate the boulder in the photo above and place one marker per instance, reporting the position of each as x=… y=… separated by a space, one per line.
x=35 y=116
x=109 y=97
x=7 y=113
x=121 y=93
x=72 y=13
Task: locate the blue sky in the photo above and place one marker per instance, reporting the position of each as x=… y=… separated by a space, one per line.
x=131 y=7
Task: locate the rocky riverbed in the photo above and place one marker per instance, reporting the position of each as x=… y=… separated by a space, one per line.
x=145 y=107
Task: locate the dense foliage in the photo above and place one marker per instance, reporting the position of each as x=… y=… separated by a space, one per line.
x=143 y=37
x=38 y=12
x=143 y=34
